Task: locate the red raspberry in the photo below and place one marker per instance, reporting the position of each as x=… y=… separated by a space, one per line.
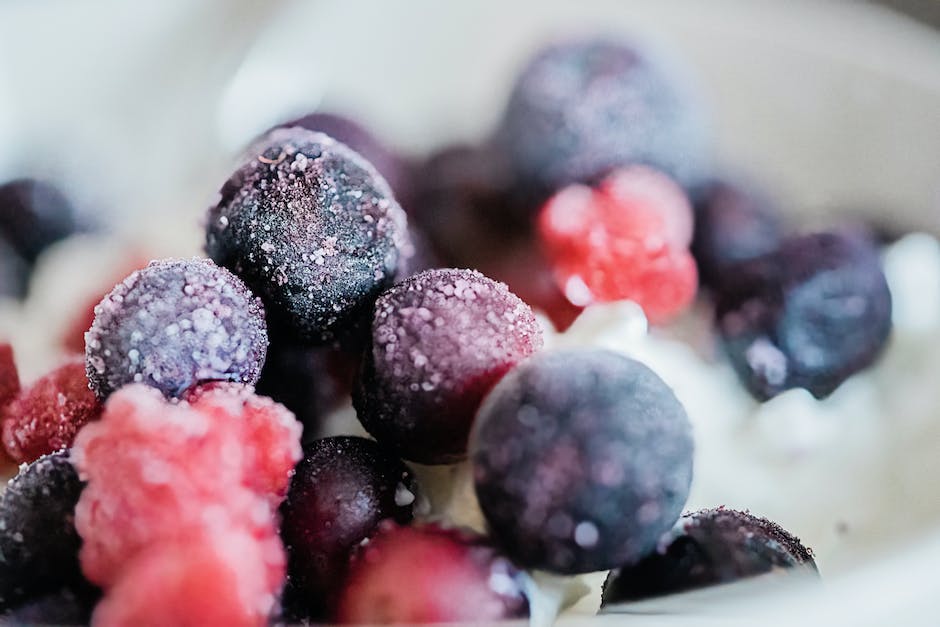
x=430 y=575
x=9 y=377
x=170 y=474
x=212 y=580
x=45 y=417
x=627 y=238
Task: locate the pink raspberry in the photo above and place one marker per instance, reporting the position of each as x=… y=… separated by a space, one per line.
x=211 y=580
x=165 y=474
x=627 y=238
x=45 y=417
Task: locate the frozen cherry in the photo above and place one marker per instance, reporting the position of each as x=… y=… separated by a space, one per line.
x=429 y=574
x=176 y=323
x=312 y=228
x=343 y=129
x=33 y=215
x=440 y=340
x=45 y=417
x=582 y=108
x=581 y=459
x=627 y=238
x=342 y=489
x=808 y=315
x=38 y=543
x=707 y=548
x=733 y=223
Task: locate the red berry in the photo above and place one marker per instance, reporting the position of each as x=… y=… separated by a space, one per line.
x=430 y=575
x=208 y=581
x=161 y=474
x=627 y=238
x=45 y=417
x=9 y=376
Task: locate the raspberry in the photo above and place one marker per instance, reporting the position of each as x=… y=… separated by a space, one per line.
x=626 y=239
x=212 y=580
x=46 y=416
x=430 y=575
x=9 y=376
x=440 y=340
x=162 y=475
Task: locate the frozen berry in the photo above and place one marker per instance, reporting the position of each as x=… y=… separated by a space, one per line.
x=217 y=580
x=732 y=224
x=430 y=574
x=581 y=460
x=9 y=376
x=582 y=108
x=70 y=605
x=33 y=215
x=45 y=417
x=440 y=340
x=312 y=228
x=176 y=323
x=626 y=239
x=708 y=548
x=311 y=381
x=161 y=472
x=343 y=129
x=808 y=315
x=341 y=491
x=38 y=543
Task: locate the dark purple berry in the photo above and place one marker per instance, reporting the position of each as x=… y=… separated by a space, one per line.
x=173 y=324
x=311 y=381
x=312 y=228
x=732 y=224
x=33 y=215
x=38 y=542
x=582 y=108
x=71 y=605
x=440 y=341
x=582 y=459
x=341 y=490
x=343 y=129
x=14 y=272
x=809 y=315
x=707 y=548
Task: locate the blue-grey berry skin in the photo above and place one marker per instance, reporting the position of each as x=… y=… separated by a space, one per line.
x=582 y=108
x=174 y=324
x=313 y=229
x=809 y=315
x=33 y=216
x=38 y=542
x=707 y=548
x=582 y=459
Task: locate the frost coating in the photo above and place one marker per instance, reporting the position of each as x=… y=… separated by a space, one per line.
x=312 y=228
x=174 y=324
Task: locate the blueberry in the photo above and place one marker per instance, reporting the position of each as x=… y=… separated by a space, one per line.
x=176 y=323
x=70 y=605
x=582 y=459
x=440 y=340
x=707 y=548
x=390 y=165
x=38 y=542
x=312 y=228
x=14 y=272
x=34 y=215
x=342 y=489
x=808 y=315
x=733 y=223
x=582 y=108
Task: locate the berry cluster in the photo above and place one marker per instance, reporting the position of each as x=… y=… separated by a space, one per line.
x=190 y=497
